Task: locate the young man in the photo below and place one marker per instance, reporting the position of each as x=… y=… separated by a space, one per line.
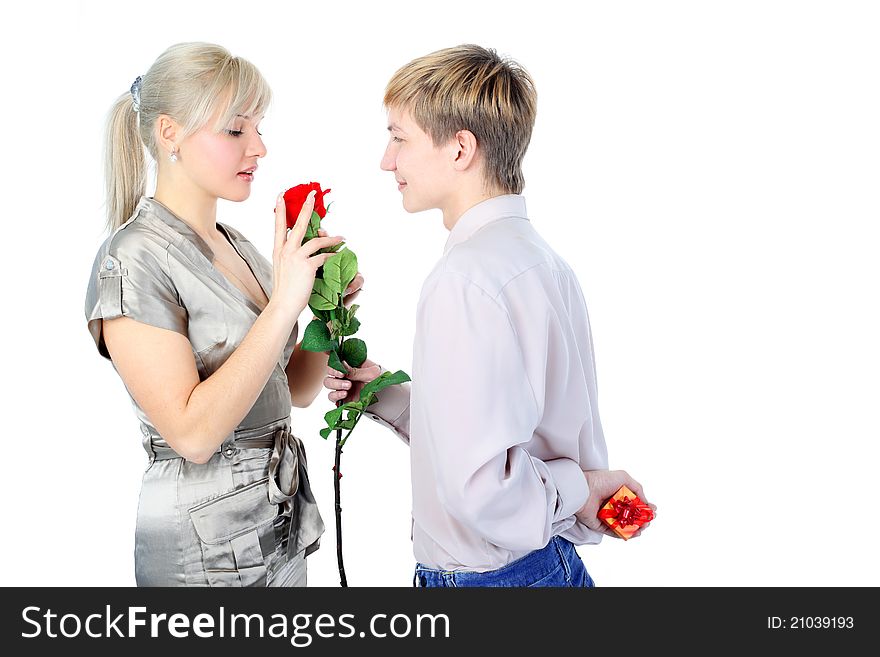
x=509 y=465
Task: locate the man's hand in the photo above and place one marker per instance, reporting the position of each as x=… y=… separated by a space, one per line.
x=603 y=484
x=348 y=387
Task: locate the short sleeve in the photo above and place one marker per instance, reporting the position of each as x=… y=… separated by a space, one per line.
x=130 y=278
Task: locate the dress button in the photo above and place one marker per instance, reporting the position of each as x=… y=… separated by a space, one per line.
x=109 y=264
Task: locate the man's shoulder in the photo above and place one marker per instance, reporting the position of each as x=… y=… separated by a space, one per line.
x=500 y=253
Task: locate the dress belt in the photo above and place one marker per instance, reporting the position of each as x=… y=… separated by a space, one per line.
x=161 y=453
x=288 y=482
x=252 y=438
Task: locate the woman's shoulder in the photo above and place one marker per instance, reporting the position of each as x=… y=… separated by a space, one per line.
x=137 y=235
x=135 y=246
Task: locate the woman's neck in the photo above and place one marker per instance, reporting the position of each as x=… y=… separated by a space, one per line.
x=197 y=209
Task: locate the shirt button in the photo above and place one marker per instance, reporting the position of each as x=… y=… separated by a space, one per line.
x=109 y=265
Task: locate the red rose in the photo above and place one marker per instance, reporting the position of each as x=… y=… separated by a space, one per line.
x=296 y=196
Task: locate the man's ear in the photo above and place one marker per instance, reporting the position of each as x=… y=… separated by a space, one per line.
x=167 y=130
x=465 y=150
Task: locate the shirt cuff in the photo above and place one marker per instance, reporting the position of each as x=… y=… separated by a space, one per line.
x=571 y=487
x=392 y=409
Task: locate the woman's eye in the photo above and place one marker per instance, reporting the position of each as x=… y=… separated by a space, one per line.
x=235 y=133
x=396 y=140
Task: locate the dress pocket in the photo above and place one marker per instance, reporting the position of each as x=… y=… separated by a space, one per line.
x=230 y=529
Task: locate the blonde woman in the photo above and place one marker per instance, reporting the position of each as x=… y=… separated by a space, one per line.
x=202 y=329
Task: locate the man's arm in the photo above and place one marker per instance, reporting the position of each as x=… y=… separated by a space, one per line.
x=479 y=409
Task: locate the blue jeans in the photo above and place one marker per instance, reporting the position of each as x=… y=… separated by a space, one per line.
x=557 y=564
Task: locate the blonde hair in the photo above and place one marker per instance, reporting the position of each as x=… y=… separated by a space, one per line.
x=189 y=82
x=469 y=87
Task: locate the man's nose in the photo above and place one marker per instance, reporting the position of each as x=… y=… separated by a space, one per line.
x=388 y=162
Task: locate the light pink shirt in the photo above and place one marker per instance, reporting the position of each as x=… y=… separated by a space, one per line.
x=501 y=416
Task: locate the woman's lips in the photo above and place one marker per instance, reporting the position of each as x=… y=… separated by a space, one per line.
x=248 y=174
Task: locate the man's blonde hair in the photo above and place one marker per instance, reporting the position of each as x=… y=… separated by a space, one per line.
x=469 y=87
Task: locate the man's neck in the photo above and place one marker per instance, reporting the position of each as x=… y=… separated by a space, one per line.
x=456 y=207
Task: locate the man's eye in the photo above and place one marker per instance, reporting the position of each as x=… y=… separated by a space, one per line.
x=235 y=133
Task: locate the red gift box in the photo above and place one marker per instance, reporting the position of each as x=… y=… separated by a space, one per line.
x=625 y=513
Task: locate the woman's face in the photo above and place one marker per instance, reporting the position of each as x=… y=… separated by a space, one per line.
x=223 y=164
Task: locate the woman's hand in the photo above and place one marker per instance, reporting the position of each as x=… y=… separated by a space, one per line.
x=294 y=263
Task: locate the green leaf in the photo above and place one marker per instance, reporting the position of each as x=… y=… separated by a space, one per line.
x=332 y=249
x=369 y=392
x=340 y=270
x=397 y=378
x=323 y=315
x=317 y=337
x=351 y=311
x=354 y=406
x=331 y=417
x=352 y=327
x=354 y=352
x=334 y=418
x=383 y=381
x=323 y=297
x=344 y=328
x=312 y=228
x=346 y=324
x=334 y=362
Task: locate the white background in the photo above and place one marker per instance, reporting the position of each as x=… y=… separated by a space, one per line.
x=708 y=169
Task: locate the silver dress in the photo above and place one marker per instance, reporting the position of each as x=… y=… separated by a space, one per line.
x=247 y=517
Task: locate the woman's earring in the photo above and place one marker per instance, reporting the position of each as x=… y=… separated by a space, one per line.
x=173 y=156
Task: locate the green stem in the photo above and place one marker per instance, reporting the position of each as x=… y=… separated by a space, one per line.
x=342 y=579
x=353 y=427
x=337 y=475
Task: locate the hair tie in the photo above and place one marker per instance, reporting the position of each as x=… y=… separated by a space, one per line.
x=136 y=93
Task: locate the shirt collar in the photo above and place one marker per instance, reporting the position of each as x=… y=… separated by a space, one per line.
x=156 y=209
x=507 y=206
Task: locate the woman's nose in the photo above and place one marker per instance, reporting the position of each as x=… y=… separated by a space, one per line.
x=258 y=147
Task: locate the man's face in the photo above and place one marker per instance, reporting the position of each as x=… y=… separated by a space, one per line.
x=424 y=172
